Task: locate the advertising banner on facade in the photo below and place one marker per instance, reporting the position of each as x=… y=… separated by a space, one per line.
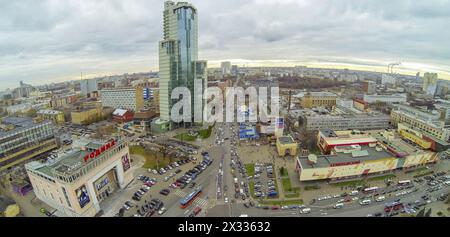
x=125 y=162
x=82 y=196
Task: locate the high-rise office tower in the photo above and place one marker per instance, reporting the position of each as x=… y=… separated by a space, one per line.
x=226 y=67
x=178 y=58
x=429 y=85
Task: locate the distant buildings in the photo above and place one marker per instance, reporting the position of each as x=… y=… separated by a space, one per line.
x=19 y=108
x=389 y=99
x=129 y=98
x=21 y=139
x=60 y=101
x=178 y=59
x=430 y=81
x=317 y=99
x=88 y=86
x=369 y=87
x=53 y=115
x=387 y=79
x=226 y=67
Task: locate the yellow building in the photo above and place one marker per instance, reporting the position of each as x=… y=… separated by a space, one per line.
x=286 y=146
x=53 y=115
x=78 y=182
x=86 y=116
x=318 y=99
x=413 y=136
x=8 y=208
x=422 y=121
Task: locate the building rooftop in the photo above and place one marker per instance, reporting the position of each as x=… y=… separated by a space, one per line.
x=17 y=125
x=286 y=140
x=317 y=94
x=67 y=161
x=120 y=112
x=365 y=154
x=49 y=111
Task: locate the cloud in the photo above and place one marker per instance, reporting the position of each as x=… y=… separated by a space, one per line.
x=115 y=36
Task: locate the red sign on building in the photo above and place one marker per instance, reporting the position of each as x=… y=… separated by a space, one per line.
x=99 y=151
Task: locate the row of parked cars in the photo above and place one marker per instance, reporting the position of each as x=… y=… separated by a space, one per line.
x=258 y=185
x=172 y=166
x=150 y=208
x=191 y=175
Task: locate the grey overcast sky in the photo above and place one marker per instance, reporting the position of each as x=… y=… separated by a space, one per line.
x=54 y=40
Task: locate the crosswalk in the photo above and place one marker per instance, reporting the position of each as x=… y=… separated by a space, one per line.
x=201 y=202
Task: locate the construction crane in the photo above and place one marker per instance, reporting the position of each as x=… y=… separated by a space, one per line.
x=392 y=65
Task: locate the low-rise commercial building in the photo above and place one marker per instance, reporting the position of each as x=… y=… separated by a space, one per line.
x=76 y=183
x=389 y=99
x=344 y=119
x=317 y=99
x=144 y=119
x=22 y=139
x=286 y=146
x=122 y=115
x=421 y=120
x=389 y=153
x=327 y=139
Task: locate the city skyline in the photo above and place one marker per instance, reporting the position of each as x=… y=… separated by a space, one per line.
x=75 y=36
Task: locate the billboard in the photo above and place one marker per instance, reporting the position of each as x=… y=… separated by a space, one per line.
x=82 y=196
x=125 y=163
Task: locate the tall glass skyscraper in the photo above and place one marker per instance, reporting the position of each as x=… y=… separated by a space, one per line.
x=178 y=57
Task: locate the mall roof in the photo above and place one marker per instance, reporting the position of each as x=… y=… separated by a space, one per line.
x=366 y=154
x=65 y=162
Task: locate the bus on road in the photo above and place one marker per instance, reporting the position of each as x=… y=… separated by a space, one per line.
x=185 y=202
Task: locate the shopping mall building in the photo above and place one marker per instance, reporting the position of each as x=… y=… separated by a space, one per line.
x=354 y=155
x=76 y=182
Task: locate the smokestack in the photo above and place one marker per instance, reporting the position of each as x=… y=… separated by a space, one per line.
x=289 y=101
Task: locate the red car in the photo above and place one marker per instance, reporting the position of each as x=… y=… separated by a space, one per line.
x=197 y=210
x=149 y=184
x=275 y=207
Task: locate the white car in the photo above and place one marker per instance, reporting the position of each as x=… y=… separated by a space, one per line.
x=380 y=198
x=161 y=211
x=226 y=200
x=305 y=210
